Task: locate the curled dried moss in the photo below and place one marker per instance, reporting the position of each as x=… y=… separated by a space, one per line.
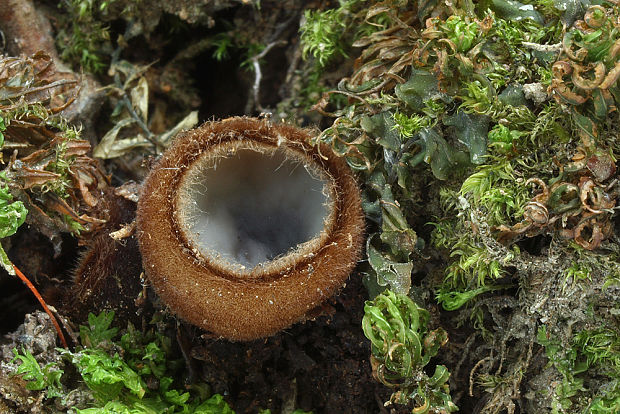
x=48 y=166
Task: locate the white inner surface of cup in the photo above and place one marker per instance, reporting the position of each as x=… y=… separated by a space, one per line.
x=250 y=207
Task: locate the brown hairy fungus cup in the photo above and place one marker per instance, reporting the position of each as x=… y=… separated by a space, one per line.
x=245 y=228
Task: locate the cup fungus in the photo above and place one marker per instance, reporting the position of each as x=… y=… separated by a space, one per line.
x=245 y=228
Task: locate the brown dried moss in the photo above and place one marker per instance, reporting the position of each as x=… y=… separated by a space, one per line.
x=204 y=290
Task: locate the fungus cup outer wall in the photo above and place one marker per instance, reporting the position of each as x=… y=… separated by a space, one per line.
x=236 y=306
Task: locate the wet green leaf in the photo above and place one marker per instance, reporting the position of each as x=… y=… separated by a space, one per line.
x=471 y=130
x=615 y=92
x=363 y=87
x=395 y=231
x=396 y=237
x=397 y=328
x=436 y=152
x=565 y=197
x=98 y=329
x=389 y=272
x=461 y=32
x=440 y=376
x=12 y=214
x=512 y=95
x=217 y=405
x=392 y=216
x=5 y=262
x=573 y=10
x=400 y=241
x=46 y=378
x=514 y=10
x=2 y=128
x=420 y=87
x=383 y=127
x=503 y=138
x=586 y=126
x=453 y=300
x=603 y=103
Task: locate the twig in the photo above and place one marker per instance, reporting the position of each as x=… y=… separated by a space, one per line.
x=149 y=135
x=152 y=138
x=69 y=329
x=37 y=295
x=473 y=372
x=257 y=72
x=271 y=42
x=40 y=88
x=543 y=48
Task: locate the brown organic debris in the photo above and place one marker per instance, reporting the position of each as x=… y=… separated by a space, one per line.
x=29 y=33
x=576 y=205
x=578 y=77
x=108 y=274
x=47 y=166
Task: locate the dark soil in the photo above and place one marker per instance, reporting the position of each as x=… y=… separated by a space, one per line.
x=322 y=364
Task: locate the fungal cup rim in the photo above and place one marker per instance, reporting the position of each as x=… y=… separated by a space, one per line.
x=296 y=255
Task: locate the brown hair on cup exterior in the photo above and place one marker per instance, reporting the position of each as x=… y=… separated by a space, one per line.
x=245 y=228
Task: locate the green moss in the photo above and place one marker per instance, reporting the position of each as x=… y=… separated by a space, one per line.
x=461 y=31
x=12 y=215
x=402 y=346
x=321 y=33
x=84 y=40
x=591 y=353
x=38 y=378
x=326 y=34
x=117 y=371
x=498 y=190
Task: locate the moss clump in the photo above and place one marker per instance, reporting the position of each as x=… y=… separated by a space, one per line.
x=402 y=346
x=133 y=373
x=496 y=123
